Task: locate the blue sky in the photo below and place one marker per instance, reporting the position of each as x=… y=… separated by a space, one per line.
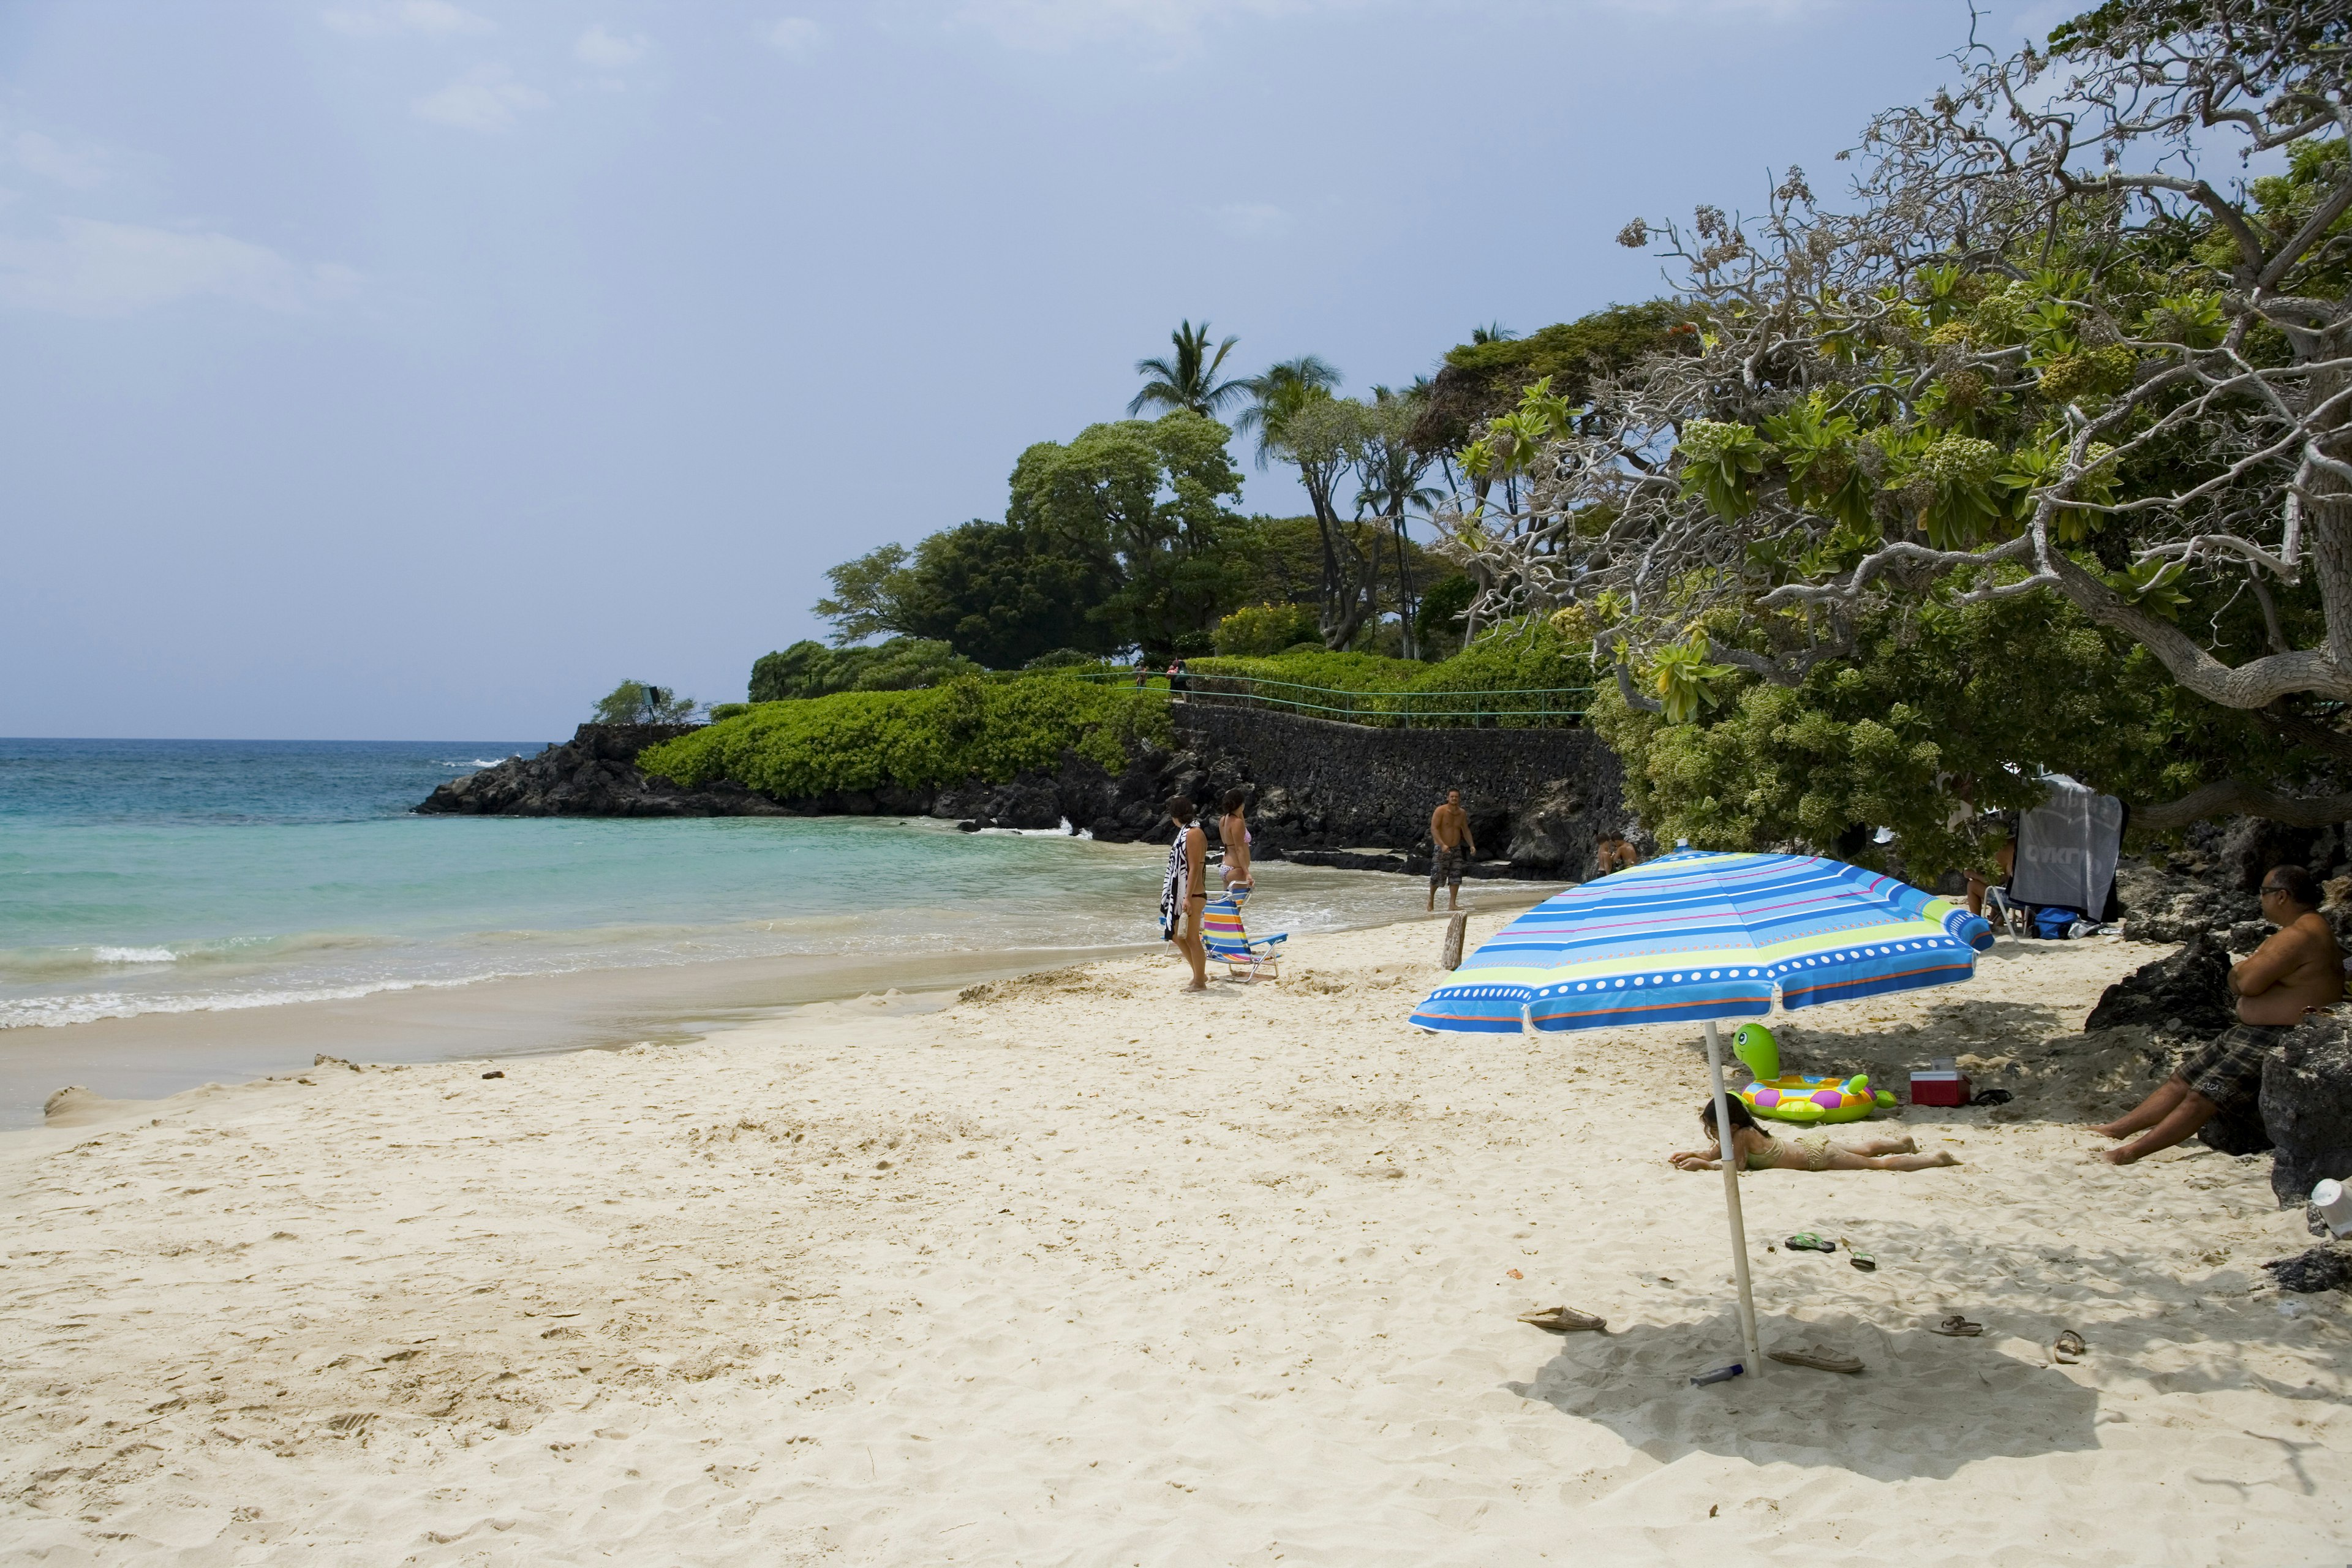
x=406 y=368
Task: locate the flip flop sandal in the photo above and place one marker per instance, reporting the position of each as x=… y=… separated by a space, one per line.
x=1806 y=1241
x=1817 y=1357
x=2070 y=1348
x=1859 y=1258
x=1958 y=1327
x=1564 y=1321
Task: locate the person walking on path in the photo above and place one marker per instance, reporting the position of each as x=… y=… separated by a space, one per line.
x=1451 y=844
x=2297 y=970
x=1185 y=893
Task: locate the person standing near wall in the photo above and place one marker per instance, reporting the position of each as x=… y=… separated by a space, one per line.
x=1234 y=833
x=1451 y=844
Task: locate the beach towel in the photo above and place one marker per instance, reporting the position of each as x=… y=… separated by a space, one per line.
x=2067 y=847
x=1173 y=890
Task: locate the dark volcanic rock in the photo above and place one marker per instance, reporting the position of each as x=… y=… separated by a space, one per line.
x=2321 y=1268
x=2185 y=993
x=594 y=774
x=2167 y=905
x=2306 y=1107
x=1554 y=832
x=1352 y=859
x=1542 y=795
x=2238 y=1130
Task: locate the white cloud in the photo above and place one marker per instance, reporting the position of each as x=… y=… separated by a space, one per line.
x=487 y=97
x=608 y=51
x=1063 y=24
x=793 y=35
x=78 y=167
x=1251 y=220
x=432 y=19
x=1777 y=10
x=1178 y=26
x=94 y=269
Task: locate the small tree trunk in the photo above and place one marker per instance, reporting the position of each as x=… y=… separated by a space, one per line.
x=1482 y=580
x=1404 y=588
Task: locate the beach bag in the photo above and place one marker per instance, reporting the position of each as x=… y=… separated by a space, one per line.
x=2054 y=922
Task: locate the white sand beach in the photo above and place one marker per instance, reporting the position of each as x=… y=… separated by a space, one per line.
x=1081 y=1271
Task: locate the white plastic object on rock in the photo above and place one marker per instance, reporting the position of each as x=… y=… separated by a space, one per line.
x=2335 y=1205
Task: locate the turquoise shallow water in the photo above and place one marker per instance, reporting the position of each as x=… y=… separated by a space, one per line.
x=146 y=877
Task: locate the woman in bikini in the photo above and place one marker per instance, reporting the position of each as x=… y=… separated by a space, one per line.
x=1233 y=832
x=1185 y=893
x=1806 y=1152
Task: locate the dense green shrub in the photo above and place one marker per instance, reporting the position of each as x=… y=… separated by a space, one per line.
x=1939 y=713
x=1263 y=629
x=1332 y=671
x=813 y=669
x=965 y=729
x=1438 y=621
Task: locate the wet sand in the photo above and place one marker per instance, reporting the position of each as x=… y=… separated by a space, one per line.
x=160 y=1054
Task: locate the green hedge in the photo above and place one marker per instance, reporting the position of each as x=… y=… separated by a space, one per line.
x=1332 y=671
x=1494 y=675
x=922 y=739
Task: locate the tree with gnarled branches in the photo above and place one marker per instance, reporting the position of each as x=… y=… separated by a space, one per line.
x=2046 y=352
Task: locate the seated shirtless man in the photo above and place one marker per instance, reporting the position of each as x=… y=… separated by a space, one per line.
x=2297 y=970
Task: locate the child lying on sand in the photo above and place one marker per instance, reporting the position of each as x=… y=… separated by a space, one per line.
x=1808 y=1151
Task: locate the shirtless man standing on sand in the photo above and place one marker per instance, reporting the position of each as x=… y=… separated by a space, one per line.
x=2297 y=970
x=1450 y=844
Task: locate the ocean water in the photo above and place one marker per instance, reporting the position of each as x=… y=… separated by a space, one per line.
x=141 y=877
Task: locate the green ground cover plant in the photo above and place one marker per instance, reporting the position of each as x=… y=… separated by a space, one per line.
x=962 y=729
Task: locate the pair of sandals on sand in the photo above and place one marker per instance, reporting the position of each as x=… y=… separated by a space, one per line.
x=1806 y=1241
x=2067 y=1350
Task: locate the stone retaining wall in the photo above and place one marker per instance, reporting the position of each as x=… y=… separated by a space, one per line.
x=1540 y=797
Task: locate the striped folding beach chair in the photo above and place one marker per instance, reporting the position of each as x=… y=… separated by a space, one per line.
x=1245 y=957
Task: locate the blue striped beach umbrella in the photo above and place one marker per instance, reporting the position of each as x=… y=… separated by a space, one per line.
x=1694 y=937
x=1699 y=937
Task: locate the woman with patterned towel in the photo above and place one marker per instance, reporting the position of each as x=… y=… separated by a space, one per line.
x=1186 y=890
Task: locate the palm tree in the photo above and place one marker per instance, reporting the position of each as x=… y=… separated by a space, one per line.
x=1388 y=470
x=1190 y=380
x=1493 y=333
x=1281 y=391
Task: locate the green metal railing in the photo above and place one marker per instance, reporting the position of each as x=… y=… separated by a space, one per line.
x=1558 y=705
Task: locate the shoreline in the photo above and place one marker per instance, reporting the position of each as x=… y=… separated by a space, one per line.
x=1078 y=1268
x=153 y=1056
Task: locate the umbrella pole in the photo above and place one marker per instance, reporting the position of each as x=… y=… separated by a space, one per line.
x=1731 y=1201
